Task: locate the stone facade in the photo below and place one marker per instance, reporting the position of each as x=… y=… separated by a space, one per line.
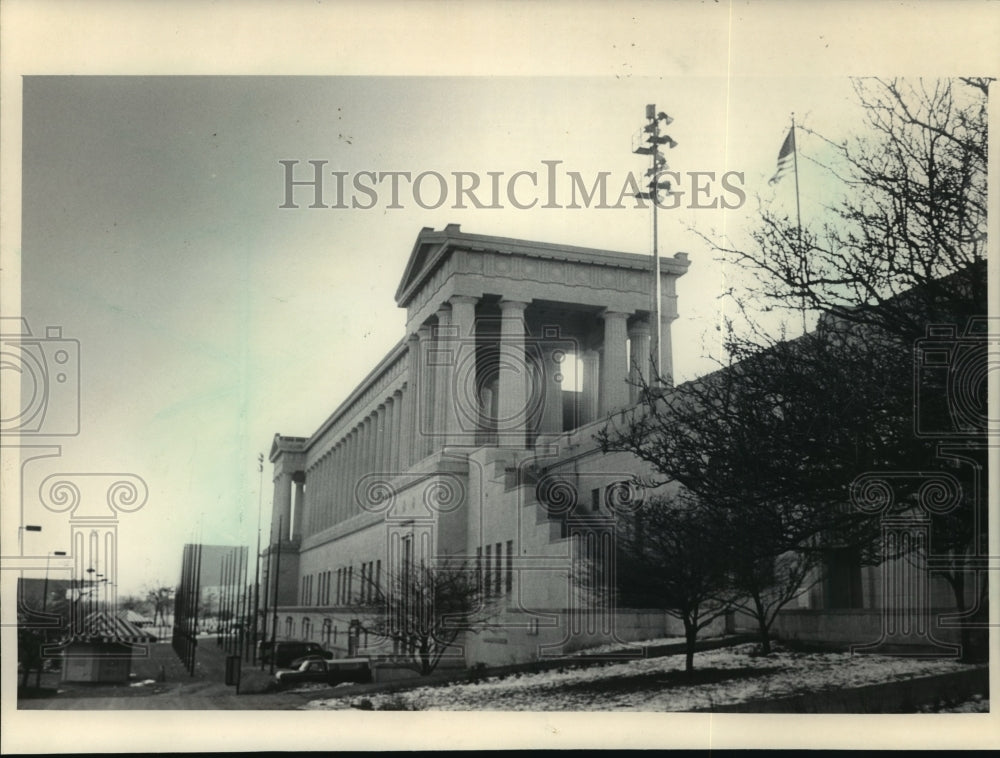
x=473 y=439
x=468 y=440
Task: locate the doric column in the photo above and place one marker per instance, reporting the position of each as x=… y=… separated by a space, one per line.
x=382 y=429
x=443 y=356
x=353 y=472
x=399 y=411
x=514 y=375
x=641 y=363
x=551 y=378
x=282 y=509
x=425 y=398
x=590 y=368
x=374 y=443
x=369 y=438
x=330 y=483
x=667 y=348
x=311 y=510
x=379 y=428
x=298 y=511
x=408 y=447
x=614 y=368
x=461 y=407
x=346 y=471
x=317 y=494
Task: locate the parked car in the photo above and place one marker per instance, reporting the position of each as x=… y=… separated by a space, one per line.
x=316 y=655
x=287 y=651
x=326 y=672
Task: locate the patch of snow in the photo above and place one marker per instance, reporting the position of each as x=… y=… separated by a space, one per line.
x=617 y=647
x=634 y=685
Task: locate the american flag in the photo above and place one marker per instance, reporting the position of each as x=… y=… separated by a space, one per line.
x=786 y=157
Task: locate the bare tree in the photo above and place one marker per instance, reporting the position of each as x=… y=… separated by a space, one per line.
x=160 y=599
x=768 y=447
x=906 y=244
x=902 y=251
x=668 y=557
x=424 y=608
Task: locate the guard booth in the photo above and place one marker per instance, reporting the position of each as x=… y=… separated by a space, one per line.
x=103 y=651
x=97 y=661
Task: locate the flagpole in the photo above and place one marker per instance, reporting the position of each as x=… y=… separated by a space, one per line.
x=798 y=219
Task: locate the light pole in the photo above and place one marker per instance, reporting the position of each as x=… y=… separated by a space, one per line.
x=659 y=167
x=256 y=565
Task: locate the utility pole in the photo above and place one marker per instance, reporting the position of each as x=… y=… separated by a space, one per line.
x=256 y=562
x=277 y=571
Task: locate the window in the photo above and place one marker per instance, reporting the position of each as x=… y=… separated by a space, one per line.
x=498 y=578
x=487 y=585
x=378 y=574
x=364 y=577
x=595 y=500
x=350 y=581
x=327 y=631
x=479 y=567
x=510 y=567
x=288 y=627
x=306 y=628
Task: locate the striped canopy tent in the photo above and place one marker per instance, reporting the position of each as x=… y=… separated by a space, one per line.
x=133 y=617
x=101 y=625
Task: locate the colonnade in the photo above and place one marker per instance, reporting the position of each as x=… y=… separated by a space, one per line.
x=434 y=407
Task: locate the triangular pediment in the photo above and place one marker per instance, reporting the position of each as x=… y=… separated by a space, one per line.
x=425 y=253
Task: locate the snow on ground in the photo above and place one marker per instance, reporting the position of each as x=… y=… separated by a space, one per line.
x=616 y=647
x=728 y=675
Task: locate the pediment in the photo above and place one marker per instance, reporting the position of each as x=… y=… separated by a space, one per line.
x=426 y=251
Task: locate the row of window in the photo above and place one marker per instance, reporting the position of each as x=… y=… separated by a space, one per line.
x=328 y=635
x=338 y=588
x=495 y=570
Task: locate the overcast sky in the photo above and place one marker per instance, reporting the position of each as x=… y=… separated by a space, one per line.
x=209 y=318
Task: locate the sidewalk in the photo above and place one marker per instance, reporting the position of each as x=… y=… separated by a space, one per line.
x=206 y=689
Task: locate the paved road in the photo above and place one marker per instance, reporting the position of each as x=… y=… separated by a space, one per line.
x=284 y=701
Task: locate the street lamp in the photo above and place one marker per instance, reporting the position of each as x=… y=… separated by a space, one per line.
x=658 y=168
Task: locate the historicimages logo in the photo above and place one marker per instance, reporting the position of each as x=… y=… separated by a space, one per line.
x=316 y=185
x=47 y=372
x=40 y=376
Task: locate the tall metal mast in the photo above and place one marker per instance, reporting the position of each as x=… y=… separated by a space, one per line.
x=656 y=170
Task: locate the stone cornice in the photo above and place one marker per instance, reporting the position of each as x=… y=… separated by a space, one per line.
x=431 y=249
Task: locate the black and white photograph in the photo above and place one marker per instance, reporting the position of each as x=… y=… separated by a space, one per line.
x=550 y=375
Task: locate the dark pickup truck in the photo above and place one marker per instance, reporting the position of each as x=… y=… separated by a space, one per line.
x=286 y=652
x=326 y=672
